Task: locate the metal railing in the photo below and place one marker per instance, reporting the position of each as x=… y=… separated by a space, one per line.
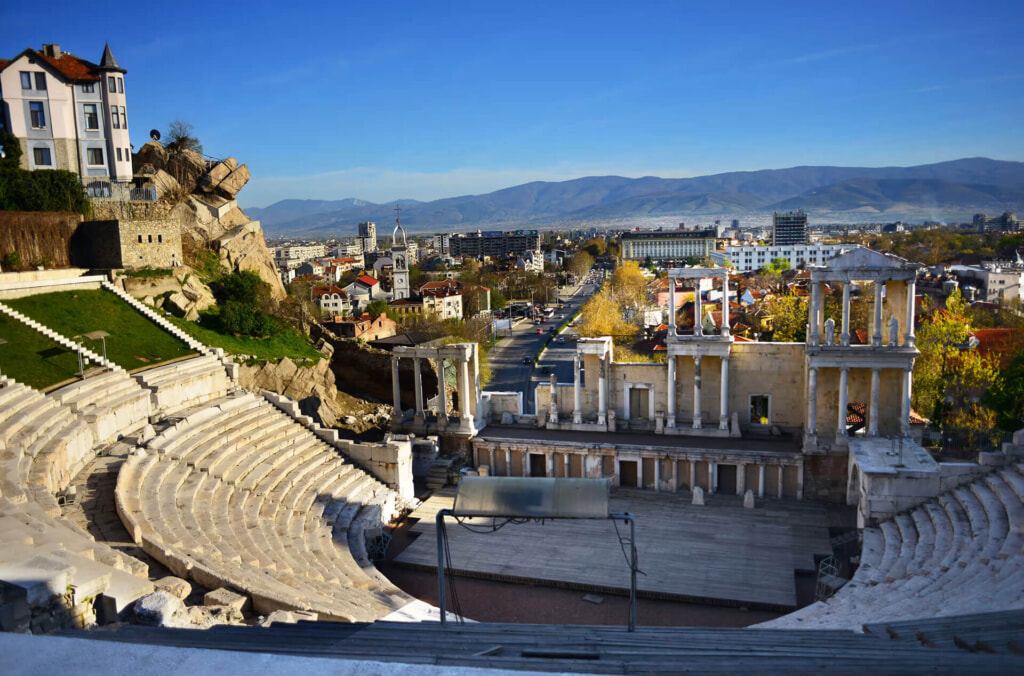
x=120 y=192
x=965 y=442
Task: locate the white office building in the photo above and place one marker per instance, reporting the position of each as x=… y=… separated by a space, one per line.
x=750 y=257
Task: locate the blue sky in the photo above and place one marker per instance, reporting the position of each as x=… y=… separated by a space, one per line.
x=386 y=100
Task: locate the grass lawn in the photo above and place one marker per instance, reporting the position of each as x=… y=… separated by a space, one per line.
x=288 y=342
x=31 y=358
x=134 y=341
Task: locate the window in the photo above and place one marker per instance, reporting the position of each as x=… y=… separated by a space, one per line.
x=140 y=239
x=124 y=117
x=118 y=154
x=760 y=409
x=160 y=239
x=92 y=118
x=35 y=109
x=151 y=239
x=88 y=88
x=41 y=81
x=115 y=117
x=120 y=85
x=112 y=84
x=95 y=156
x=26 y=80
x=42 y=157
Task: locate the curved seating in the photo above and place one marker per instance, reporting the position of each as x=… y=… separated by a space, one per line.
x=44 y=446
x=961 y=553
x=185 y=383
x=111 y=402
x=239 y=494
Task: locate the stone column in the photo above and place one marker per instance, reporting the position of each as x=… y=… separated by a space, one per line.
x=464 y=389
x=396 y=389
x=812 y=401
x=442 y=395
x=814 y=329
x=418 y=384
x=671 y=391
x=693 y=474
x=657 y=475
x=698 y=327
x=549 y=464
x=873 y=411
x=725 y=305
x=639 y=472
x=723 y=396
x=800 y=481
x=712 y=477
x=696 y=393
x=909 y=339
x=741 y=478
x=553 y=406
x=844 y=375
x=602 y=400
x=508 y=462
x=490 y=468
x=876 y=337
x=782 y=473
x=675 y=475
x=844 y=337
x=568 y=465
x=908 y=376
x=577 y=394
x=760 y=481
x=671 y=309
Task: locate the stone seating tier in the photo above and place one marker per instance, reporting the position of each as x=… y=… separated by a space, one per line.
x=185 y=383
x=960 y=553
x=44 y=445
x=238 y=493
x=112 y=403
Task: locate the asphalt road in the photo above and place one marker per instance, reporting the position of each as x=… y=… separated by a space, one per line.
x=510 y=374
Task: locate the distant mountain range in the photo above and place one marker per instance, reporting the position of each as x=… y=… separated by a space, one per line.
x=944 y=190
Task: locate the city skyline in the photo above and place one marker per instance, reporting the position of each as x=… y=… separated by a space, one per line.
x=425 y=102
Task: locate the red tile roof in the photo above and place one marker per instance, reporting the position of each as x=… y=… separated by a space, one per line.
x=321 y=290
x=68 y=65
x=367 y=280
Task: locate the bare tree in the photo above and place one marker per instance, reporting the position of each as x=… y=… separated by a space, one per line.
x=180 y=137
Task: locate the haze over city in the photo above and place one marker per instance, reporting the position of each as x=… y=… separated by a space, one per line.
x=425 y=101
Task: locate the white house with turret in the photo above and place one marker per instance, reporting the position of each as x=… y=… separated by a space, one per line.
x=68 y=113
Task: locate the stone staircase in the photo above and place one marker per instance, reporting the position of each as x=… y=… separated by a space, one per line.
x=59 y=339
x=157 y=319
x=238 y=494
x=960 y=553
x=43 y=556
x=437 y=475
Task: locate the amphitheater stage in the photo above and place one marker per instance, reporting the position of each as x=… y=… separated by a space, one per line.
x=719 y=553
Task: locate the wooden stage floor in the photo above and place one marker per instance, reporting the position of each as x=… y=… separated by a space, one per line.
x=718 y=553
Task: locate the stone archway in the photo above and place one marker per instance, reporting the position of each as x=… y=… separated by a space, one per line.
x=853 y=486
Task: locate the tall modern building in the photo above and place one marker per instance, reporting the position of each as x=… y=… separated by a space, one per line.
x=68 y=113
x=789 y=227
x=668 y=244
x=368 y=236
x=495 y=243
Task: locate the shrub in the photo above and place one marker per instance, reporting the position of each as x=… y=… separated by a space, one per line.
x=56 y=190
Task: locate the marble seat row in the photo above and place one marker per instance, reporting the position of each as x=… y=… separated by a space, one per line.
x=112 y=403
x=44 y=444
x=185 y=383
x=958 y=554
x=240 y=494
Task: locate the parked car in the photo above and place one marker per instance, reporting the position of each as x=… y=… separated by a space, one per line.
x=540 y=331
x=536 y=321
x=527 y=361
x=561 y=339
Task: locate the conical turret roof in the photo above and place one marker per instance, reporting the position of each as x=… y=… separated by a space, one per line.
x=108 y=62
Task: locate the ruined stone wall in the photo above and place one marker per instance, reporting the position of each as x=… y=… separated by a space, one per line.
x=38 y=236
x=150 y=243
x=365 y=372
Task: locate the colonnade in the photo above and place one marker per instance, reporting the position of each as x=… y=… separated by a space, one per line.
x=814 y=338
x=698 y=378
x=559 y=462
x=465 y=386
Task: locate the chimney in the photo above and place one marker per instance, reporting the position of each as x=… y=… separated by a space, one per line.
x=52 y=51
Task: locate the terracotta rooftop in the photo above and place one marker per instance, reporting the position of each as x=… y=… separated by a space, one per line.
x=68 y=65
x=367 y=280
x=321 y=290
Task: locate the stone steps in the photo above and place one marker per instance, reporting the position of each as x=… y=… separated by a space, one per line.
x=960 y=553
x=239 y=494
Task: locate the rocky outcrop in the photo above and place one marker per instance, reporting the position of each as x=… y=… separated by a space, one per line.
x=311 y=386
x=224 y=178
x=244 y=248
x=152 y=153
x=185 y=295
x=186 y=166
